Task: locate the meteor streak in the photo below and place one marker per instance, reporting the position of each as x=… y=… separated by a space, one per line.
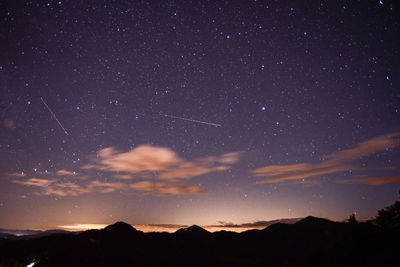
x=185 y=119
x=54 y=116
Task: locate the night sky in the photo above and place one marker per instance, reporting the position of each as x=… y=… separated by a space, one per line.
x=168 y=113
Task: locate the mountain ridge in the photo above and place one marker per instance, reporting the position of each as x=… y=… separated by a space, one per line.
x=309 y=242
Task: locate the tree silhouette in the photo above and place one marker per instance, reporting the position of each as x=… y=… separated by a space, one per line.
x=389 y=217
x=352 y=219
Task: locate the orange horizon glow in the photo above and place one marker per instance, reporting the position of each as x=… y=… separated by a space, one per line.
x=171 y=228
x=82 y=226
x=150 y=228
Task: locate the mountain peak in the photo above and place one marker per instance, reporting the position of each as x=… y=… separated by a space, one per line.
x=119 y=226
x=195 y=227
x=313 y=220
x=193 y=230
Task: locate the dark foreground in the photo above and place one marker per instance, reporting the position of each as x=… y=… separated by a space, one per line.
x=309 y=242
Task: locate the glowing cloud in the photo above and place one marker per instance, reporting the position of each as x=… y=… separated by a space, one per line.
x=373 y=180
x=166 y=189
x=17 y=174
x=145 y=159
x=34 y=182
x=334 y=163
x=65 y=172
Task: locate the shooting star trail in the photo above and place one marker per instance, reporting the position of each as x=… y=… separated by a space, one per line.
x=185 y=119
x=54 y=116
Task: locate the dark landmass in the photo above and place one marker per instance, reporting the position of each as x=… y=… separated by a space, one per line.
x=309 y=242
x=29 y=234
x=19 y=232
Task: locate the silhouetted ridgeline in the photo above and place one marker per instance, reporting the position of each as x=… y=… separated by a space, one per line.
x=309 y=242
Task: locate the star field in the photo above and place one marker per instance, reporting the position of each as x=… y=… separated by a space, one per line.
x=306 y=94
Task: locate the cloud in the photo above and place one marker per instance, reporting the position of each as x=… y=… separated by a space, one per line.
x=58 y=188
x=63 y=189
x=106 y=187
x=34 y=182
x=144 y=158
x=9 y=124
x=161 y=161
x=162 y=165
x=167 y=225
x=189 y=170
x=48 y=173
x=167 y=189
x=312 y=172
x=334 y=163
x=73 y=189
x=17 y=174
x=65 y=172
x=369 y=147
x=256 y=224
x=373 y=180
x=307 y=182
x=279 y=169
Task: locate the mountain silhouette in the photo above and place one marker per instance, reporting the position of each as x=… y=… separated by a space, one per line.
x=30 y=234
x=310 y=220
x=119 y=226
x=309 y=242
x=193 y=231
x=20 y=232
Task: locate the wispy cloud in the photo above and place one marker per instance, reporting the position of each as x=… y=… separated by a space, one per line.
x=58 y=173
x=167 y=189
x=9 y=124
x=34 y=182
x=17 y=174
x=65 y=172
x=54 y=187
x=373 y=180
x=123 y=176
x=166 y=169
x=58 y=188
x=334 y=163
x=255 y=224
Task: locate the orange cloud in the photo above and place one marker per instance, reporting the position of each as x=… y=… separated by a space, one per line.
x=311 y=172
x=17 y=174
x=369 y=147
x=65 y=172
x=279 y=169
x=34 y=182
x=144 y=161
x=373 y=180
x=160 y=160
x=307 y=182
x=141 y=159
x=334 y=163
x=55 y=187
x=106 y=187
x=123 y=176
x=167 y=189
x=63 y=189
x=9 y=124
